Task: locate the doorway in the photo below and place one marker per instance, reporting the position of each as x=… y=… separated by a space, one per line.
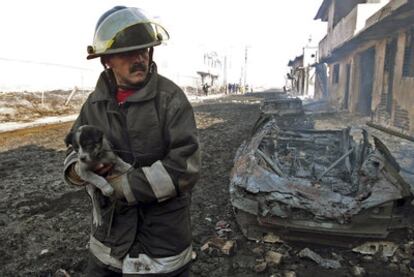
x=367 y=66
x=348 y=79
x=389 y=63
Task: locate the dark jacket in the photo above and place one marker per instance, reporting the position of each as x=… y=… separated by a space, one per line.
x=155 y=131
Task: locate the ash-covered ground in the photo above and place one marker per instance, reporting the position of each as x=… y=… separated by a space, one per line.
x=44 y=224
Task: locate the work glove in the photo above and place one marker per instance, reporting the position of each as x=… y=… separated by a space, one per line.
x=122 y=189
x=73 y=172
x=73 y=176
x=118 y=181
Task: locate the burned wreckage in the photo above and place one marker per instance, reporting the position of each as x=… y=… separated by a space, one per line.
x=307 y=184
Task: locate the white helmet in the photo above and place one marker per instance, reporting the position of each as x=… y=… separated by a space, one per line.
x=123 y=29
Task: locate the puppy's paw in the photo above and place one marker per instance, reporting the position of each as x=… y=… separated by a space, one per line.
x=97 y=219
x=107 y=190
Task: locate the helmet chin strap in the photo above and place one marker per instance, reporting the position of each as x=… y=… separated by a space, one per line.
x=150 y=54
x=112 y=80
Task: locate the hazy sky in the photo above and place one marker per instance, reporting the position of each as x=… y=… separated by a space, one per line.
x=53 y=35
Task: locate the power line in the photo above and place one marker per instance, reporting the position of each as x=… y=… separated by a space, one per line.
x=46 y=63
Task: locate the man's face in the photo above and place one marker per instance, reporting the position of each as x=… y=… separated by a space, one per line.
x=130 y=68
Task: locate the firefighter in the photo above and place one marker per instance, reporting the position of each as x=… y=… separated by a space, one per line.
x=145 y=229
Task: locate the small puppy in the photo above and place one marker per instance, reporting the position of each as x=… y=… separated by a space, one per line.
x=94 y=149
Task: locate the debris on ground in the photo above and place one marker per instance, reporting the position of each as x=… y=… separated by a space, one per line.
x=290 y=274
x=223 y=229
x=227 y=247
x=258 y=251
x=273 y=258
x=61 y=273
x=260 y=266
x=384 y=248
x=193 y=255
x=271 y=238
x=358 y=271
x=326 y=263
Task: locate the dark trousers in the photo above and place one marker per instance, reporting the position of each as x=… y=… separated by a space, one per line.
x=97 y=269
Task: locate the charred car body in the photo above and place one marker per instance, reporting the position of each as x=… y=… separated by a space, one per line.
x=291 y=178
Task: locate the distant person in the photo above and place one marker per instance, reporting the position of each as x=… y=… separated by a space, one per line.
x=205 y=89
x=145 y=228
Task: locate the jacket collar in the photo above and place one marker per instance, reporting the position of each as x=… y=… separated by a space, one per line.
x=103 y=91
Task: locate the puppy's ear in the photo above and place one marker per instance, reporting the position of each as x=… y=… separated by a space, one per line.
x=69 y=139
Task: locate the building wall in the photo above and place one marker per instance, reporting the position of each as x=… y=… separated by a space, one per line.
x=331 y=15
x=310 y=55
x=380 y=91
x=342 y=8
x=392 y=98
x=335 y=89
x=354 y=86
x=318 y=94
x=402 y=113
x=348 y=26
x=321 y=81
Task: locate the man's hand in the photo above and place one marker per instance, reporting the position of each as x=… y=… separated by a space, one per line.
x=117 y=182
x=103 y=169
x=72 y=173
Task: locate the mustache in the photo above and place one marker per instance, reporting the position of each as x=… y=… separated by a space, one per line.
x=138 y=67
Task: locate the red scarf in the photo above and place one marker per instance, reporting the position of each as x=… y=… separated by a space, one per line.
x=122 y=95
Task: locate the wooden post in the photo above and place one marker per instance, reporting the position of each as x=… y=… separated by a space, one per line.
x=75 y=89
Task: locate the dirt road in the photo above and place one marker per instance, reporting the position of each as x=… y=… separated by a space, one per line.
x=44 y=224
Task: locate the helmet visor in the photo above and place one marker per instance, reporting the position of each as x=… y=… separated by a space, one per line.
x=111 y=32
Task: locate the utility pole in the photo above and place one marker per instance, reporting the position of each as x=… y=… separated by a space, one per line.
x=225 y=74
x=245 y=66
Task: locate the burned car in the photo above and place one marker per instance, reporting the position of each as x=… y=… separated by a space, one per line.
x=304 y=183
